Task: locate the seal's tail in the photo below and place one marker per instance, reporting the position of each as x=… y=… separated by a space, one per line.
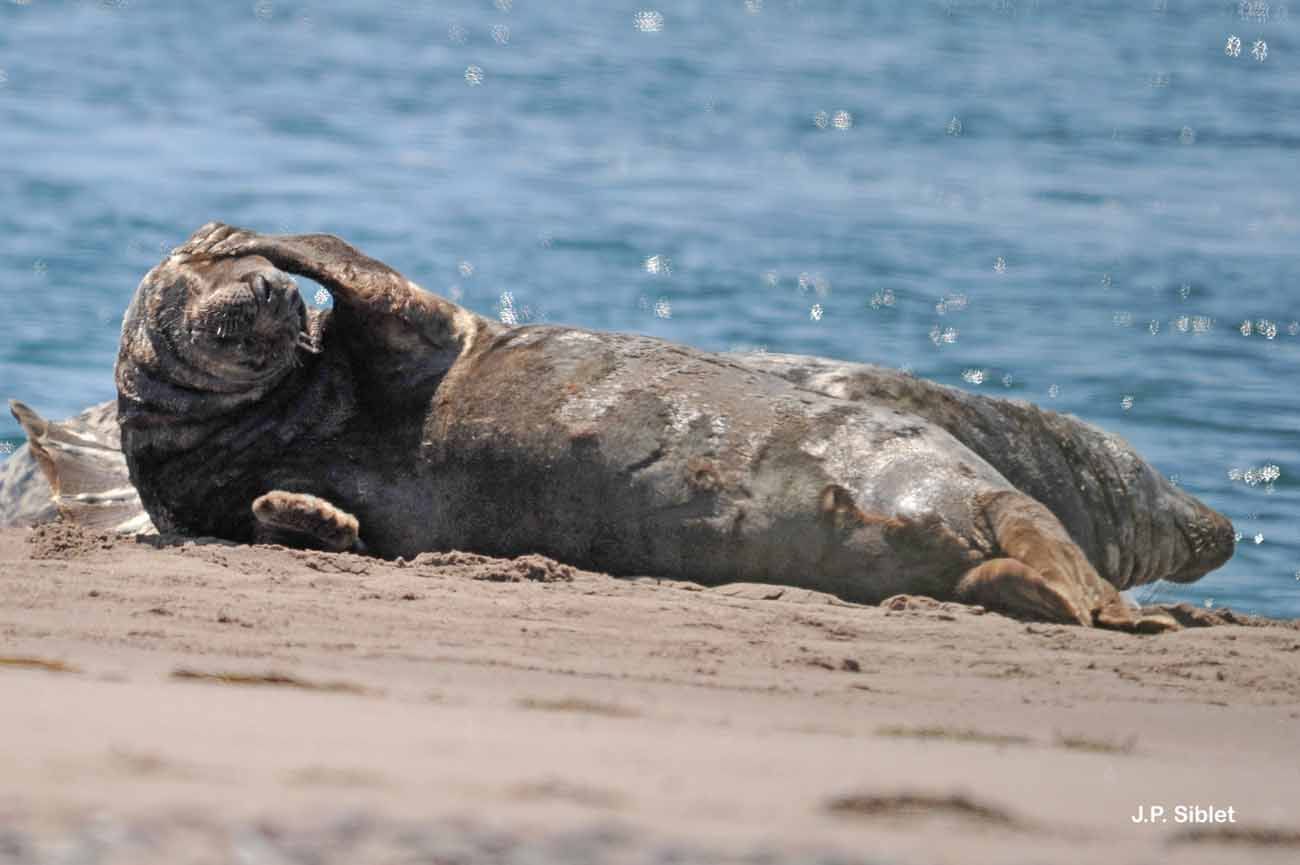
x=86 y=471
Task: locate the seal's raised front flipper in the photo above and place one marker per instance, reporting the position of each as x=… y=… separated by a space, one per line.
x=1044 y=575
x=301 y=520
x=409 y=336
x=86 y=472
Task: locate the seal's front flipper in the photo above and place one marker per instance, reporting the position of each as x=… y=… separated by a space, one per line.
x=86 y=471
x=301 y=520
x=331 y=261
x=364 y=286
x=410 y=337
x=1044 y=573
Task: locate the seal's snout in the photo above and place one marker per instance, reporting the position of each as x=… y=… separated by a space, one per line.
x=261 y=287
x=275 y=291
x=1223 y=538
x=1212 y=540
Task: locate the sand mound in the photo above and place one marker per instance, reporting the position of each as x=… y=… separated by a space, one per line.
x=60 y=540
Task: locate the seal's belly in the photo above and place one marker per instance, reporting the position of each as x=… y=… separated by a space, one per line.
x=631 y=455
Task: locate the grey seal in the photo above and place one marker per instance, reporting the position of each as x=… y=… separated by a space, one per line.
x=400 y=422
x=1134 y=525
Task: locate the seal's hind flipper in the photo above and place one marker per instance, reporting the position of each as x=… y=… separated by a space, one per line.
x=1011 y=586
x=1044 y=574
x=839 y=510
x=926 y=537
x=87 y=474
x=302 y=520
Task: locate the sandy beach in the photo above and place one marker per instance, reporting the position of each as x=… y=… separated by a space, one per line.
x=206 y=702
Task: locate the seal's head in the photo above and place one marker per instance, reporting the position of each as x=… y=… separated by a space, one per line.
x=1188 y=538
x=213 y=356
x=219 y=325
x=243 y=316
x=1148 y=529
x=205 y=342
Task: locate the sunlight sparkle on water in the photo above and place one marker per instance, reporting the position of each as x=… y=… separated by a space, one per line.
x=1253 y=477
x=882 y=298
x=648 y=21
x=951 y=303
x=1257 y=10
x=943 y=336
x=818 y=284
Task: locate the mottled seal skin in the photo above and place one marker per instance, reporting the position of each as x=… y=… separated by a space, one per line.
x=404 y=423
x=1134 y=525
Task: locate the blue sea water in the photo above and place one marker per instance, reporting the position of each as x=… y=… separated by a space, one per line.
x=1092 y=205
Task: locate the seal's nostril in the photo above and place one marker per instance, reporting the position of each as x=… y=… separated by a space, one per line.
x=1227 y=537
x=261 y=288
